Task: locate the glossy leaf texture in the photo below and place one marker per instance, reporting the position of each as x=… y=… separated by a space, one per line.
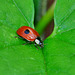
x=15 y=58
x=58 y=55
x=59 y=50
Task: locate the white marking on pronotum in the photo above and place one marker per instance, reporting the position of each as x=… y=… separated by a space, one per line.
x=37 y=41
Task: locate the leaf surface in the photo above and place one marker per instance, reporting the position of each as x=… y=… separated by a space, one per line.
x=15 y=58
x=59 y=51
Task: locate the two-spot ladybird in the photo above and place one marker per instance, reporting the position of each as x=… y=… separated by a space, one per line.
x=30 y=35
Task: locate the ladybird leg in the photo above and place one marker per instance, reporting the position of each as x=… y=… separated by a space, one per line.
x=27 y=43
x=40 y=47
x=17 y=37
x=36 y=45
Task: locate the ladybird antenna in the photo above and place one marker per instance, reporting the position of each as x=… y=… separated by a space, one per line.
x=45 y=44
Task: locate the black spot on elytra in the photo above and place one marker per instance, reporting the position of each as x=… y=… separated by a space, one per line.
x=26 y=31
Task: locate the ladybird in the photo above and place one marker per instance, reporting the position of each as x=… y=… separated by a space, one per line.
x=30 y=35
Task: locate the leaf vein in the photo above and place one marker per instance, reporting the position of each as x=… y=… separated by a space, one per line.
x=66 y=16
x=21 y=12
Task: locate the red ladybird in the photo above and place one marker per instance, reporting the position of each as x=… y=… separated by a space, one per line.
x=30 y=35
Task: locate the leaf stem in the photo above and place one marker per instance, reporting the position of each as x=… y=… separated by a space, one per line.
x=45 y=19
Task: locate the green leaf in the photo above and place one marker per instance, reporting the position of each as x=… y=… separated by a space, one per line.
x=15 y=13
x=21 y=60
x=58 y=55
x=59 y=50
x=15 y=58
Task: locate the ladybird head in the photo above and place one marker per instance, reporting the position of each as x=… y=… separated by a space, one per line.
x=39 y=42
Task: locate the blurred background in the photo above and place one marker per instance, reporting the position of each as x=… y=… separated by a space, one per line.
x=41 y=7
